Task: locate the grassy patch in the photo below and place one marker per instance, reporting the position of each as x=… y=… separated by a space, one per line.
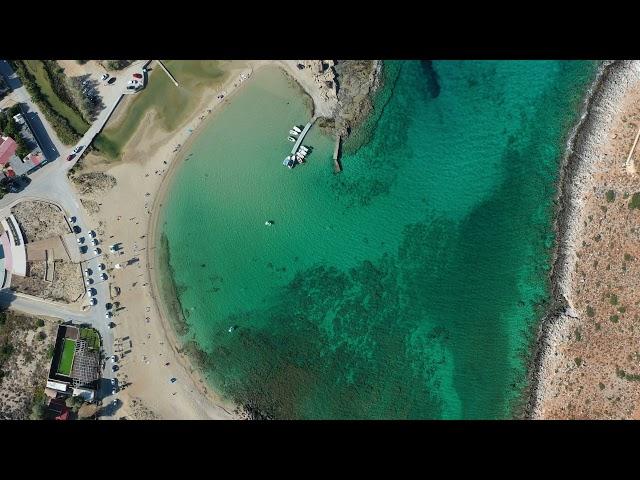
x=613 y=299
x=614 y=318
x=66 y=361
x=578 y=361
x=591 y=312
x=601 y=386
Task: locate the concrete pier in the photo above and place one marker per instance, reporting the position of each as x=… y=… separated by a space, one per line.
x=337 y=168
x=168 y=73
x=300 y=138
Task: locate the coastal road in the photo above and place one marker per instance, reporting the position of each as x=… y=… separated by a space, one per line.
x=50 y=183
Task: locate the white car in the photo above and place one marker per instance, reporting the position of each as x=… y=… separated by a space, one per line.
x=113 y=380
x=72 y=219
x=77 y=149
x=104 y=77
x=94 y=242
x=108 y=315
x=101 y=266
x=113 y=360
x=93 y=234
x=103 y=276
x=87 y=271
x=89 y=281
x=97 y=251
x=80 y=240
x=93 y=301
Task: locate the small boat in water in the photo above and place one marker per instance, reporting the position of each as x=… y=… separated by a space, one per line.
x=286 y=161
x=293 y=132
x=296 y=129
x=291 y=139
x=291 y=163
x=304 y=149
x=268 y=222
x=232 y=328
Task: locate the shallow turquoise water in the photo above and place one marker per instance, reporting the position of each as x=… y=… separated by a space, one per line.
x=406 y=286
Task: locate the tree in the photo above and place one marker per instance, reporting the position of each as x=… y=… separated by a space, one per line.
x=37 y=411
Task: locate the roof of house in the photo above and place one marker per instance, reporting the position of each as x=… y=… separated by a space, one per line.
x=7 y=149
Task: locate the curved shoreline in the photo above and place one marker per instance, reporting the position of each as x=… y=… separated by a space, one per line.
x=174 y=163
x=605 y=92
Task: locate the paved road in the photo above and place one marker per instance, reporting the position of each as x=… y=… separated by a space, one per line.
x=50 y=183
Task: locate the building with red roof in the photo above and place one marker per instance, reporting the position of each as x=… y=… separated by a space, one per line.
x=8 y=148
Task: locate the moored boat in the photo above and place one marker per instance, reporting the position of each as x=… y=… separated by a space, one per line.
x=293 y=132
x=296 y=129
x=291 y=139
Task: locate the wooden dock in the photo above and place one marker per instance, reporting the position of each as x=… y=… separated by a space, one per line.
x=168 y=73
x=337 y=168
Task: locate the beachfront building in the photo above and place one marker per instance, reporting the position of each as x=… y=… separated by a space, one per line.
x=75 y=367
x=13 y=255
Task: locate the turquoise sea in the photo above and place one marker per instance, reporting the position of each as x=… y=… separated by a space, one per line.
x=407 y=286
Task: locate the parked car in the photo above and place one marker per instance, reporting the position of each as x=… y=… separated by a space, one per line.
x=93 y=301
x=101 y=266
x=103 y=276
x=71 y=157
x=108 y=315
x=114 y=368
x=92 y=292
x=80 y=239
x=173 y=380
x=137 y=75
x=113 y=359
x=104 y=77
x=92 y=233
x=89 y=281
x=112 y=325
x=77 y=149
x=88 y=271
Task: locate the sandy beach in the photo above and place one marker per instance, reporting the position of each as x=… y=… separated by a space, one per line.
x=149 y=348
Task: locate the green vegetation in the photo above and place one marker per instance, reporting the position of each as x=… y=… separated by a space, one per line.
x=41 y=336
x=91 y=336
x=627 y=257
x=614 y=318
x=601 y=385
x=39 y=323
x=52 y=82
x=64 y=129
x=171 y=105
x=635 y=201
x=598 y=327
x=10 y=128
x=622 y=309
x=613 y=300
x=117 y=64
x=590 y=311
x=578 y=335
x=632 y=377
x=81 y=62
x=66 y=361
x=610 y=195
x=578 y=361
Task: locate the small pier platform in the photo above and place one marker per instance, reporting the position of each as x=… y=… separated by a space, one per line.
x=337 y=168
x=300 y=138
x=168 y=73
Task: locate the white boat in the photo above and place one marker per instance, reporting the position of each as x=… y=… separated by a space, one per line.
x=293 y=132
x=268 y=222
x=304 y=149
x=297 y=129
x=291 y=139
x=285 y=161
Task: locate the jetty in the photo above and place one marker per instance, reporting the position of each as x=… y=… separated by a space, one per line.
x=300 y=138
x=337 y=168
x=168 y=73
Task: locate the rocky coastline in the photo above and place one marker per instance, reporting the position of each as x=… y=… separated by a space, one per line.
x=576 y=181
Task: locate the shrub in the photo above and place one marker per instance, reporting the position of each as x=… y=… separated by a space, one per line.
x=635 y=201
x=610 y=195
x=590 y=311
x=40 y=323
x=41 y=336
x=614 y=318
x=613 y=299
x=601 y=385
x=578 y=361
